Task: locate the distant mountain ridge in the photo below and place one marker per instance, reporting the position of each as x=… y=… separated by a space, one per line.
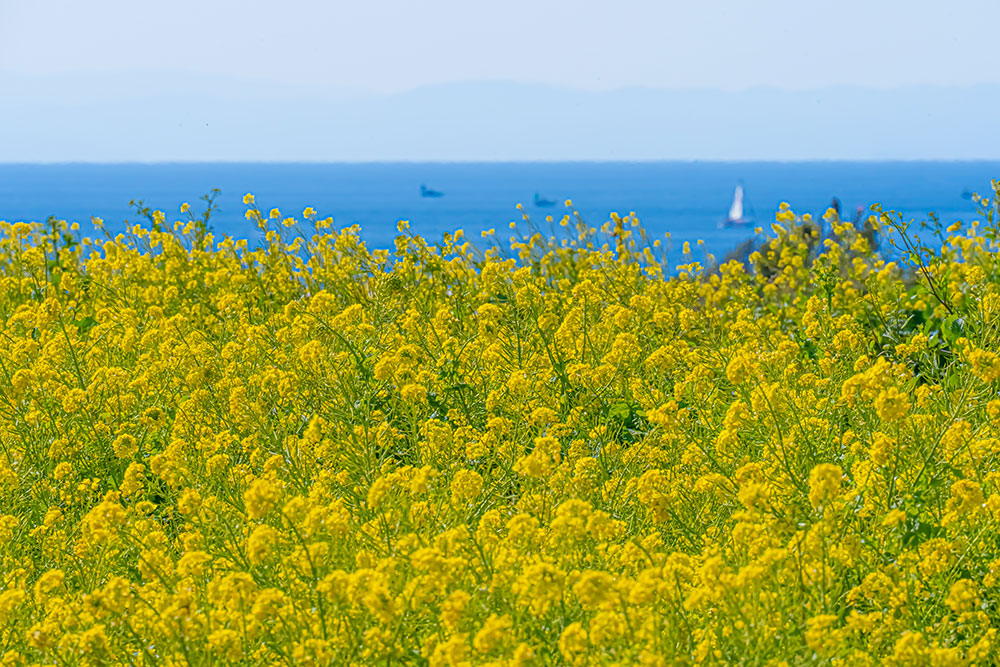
x=176 y=117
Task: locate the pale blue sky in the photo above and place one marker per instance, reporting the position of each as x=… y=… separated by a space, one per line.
x=111 y=80
x=393 y=45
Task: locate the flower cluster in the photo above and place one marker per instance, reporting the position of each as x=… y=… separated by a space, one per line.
x=561 y=450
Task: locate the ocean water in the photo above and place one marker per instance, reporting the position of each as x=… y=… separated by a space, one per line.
x=685 y=199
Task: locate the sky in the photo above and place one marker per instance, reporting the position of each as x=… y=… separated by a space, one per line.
x=390 y=47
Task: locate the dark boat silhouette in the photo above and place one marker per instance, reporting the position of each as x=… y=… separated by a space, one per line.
x=427 y=192
x=542 y=202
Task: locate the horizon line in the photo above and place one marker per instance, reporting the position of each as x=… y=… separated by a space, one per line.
x=484 y=161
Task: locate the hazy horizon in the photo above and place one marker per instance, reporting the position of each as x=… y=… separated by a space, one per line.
x=176 y=117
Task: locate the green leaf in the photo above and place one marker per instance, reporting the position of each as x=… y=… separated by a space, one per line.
x=620 y=411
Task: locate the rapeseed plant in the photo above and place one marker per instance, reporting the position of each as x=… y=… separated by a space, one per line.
x=564 y=450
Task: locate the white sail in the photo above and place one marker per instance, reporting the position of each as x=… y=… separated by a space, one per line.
x=736 y=210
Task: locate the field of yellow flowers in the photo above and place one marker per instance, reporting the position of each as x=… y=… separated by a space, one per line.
x=561 y=450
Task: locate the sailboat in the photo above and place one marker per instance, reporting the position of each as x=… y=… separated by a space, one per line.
x=736 y=217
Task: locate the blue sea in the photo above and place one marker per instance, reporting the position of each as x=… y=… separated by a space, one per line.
x=685 y=199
